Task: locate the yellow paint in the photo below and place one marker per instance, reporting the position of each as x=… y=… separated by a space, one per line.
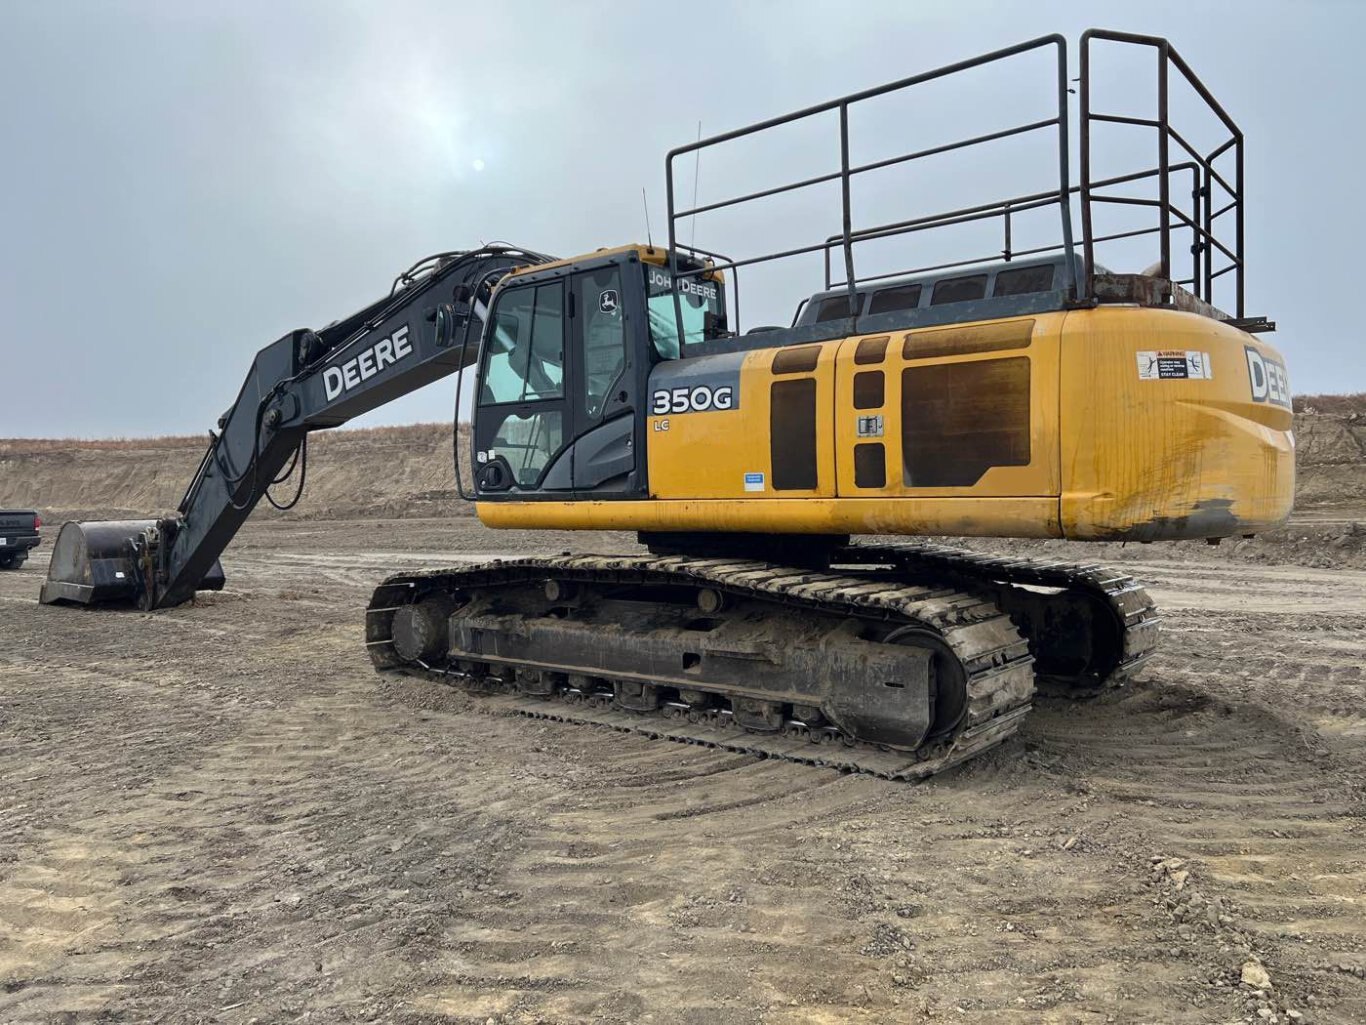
x=1110 y=455
x=978 y=517
x=706 y=455
x=1152 y=455
x=647 y=254
x=1039 y=336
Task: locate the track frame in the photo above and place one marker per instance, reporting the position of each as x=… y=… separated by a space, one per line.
x=958 y=636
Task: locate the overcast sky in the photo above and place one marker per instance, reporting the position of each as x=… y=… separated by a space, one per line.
x=183 y=183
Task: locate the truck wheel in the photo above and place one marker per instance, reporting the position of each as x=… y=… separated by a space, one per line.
x=7 y=562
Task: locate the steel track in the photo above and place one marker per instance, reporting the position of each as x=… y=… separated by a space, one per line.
x=1126 y=600
x=994 y=656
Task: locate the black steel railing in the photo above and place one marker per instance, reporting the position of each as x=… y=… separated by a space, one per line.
x=846 y=174
x=1197 y=212
x=1201 y=225
x=1005 y=209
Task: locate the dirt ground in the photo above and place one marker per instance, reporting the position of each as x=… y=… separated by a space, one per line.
x=221 y=814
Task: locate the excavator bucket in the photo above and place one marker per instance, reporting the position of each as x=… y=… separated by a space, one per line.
x=96 y=563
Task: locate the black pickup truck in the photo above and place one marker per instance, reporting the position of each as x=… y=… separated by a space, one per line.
x=18 y=533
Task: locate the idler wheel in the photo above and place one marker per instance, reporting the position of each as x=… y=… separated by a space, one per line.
x=710 y=600
x=949 y=679
x=420 y=630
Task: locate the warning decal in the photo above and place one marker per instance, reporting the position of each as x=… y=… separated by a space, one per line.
x=1169 y=364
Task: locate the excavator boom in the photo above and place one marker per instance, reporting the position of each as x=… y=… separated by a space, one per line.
x=426 y=328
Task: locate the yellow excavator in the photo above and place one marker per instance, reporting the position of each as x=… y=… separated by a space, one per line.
x=1028 y=393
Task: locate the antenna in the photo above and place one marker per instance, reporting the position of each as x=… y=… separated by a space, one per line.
x=696 y=167
x=646 y=204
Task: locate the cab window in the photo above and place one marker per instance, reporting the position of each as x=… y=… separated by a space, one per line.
x=528 y=441
x=597 y=308
x=525 y=360
x=699 y=303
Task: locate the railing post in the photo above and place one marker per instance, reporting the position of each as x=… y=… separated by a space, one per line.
x=848 y=213
x=1198 y=212
x=1238 y=180
x=1208 y=187
x=1084 y=126
x=1064 y=164
x=1163 y=160
x=735 y=291
x=673 y=251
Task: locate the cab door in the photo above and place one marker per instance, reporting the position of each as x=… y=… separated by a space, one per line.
x=558 y=386
x=605 y=366
x=523 y=420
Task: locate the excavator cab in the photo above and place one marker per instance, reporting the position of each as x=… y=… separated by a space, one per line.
x=565 y=365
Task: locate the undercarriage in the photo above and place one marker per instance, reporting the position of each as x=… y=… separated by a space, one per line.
x=898 y=660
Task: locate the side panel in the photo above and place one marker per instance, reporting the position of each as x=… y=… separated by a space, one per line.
x=746 y=426
x=967 y=410
x=1174 y=426
x=769 y=440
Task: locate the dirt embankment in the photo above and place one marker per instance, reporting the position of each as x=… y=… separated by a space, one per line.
x=1331 y=451
x=388 y=472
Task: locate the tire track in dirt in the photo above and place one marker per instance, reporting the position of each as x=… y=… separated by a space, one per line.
x=1258 y=819
x=62 y=876
x=273 y=838
x=859 y=906
x=239 y=820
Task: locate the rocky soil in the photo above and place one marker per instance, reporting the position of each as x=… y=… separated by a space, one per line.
x=221 y=814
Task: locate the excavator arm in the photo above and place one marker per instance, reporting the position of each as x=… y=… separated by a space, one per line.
x=426 y=328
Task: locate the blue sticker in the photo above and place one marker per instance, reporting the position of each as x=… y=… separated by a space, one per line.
x=754 y=482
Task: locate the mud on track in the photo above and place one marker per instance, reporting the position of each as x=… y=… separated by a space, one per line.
x=220 y=814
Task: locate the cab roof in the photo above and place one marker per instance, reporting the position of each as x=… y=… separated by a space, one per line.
x=646 y=254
